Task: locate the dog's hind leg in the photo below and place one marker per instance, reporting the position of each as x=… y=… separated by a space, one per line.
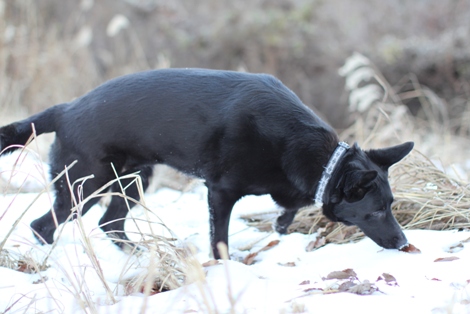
x=46 y=225
x=113 y=219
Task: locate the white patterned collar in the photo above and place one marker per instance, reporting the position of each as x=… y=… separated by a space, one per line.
x=340 y=150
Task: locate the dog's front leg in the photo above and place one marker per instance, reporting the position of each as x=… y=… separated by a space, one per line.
x=220 y=206
x=283 y=221
x=291 y=206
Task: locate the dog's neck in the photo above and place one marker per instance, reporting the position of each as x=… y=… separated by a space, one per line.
x=333 y=162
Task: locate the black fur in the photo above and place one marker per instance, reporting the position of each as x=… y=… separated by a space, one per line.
x=243 y=133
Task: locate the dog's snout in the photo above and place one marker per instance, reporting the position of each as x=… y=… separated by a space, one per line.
x=392 y=242
x=400 y=241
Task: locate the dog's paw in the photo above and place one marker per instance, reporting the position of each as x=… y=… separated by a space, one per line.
x=43 y=233
x=281 y=229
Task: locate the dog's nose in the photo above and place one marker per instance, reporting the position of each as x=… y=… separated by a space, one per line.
x=389 y=241
x=395 y=242
x=399 y=242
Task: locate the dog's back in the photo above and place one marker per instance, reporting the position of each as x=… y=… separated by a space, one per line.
x=187 y=118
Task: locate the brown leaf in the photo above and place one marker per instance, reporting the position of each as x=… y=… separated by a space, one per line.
x=447 y=259
x=455 y=248
x=26 y=266
x=465 y=241
x=270 y=245
x=313 y=289
x=40 y=280
x=250 y=258
x=313 y=245
x=363 y=288
x=211 y=262
x=389 y=279
x=344 y=274
x=345 y=286
x=288 y=264
x=410 y=248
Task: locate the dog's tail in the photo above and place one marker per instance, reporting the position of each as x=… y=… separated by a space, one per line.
x=14 y=135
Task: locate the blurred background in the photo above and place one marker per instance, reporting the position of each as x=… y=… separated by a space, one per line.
x=52 y=51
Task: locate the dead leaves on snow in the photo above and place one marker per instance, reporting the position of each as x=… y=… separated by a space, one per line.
x=318 y=243
x=457 y=247
x=343 y=274
x=447 y=259
x=24 y=263
x=347 y=281
x=389 y=279
x=250 y=258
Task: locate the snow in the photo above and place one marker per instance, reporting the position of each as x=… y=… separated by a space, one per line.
x=271 y=285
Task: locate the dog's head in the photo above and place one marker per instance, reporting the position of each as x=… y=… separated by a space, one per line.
x=359 y=194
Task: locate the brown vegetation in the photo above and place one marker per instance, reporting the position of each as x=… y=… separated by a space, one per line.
x=52 y=51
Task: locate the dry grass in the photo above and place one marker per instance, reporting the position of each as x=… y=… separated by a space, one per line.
x=427 y=198
x=158 y=265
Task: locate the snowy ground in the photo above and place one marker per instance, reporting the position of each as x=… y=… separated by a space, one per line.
x=283 y=279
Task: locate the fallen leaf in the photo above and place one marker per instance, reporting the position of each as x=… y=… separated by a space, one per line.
x=270 y=245
x=26 y=267
x=410 y=248
x=465 y=241
x=344 y=274
x=40 y=280
x=250 y=258
x=211 y=262
x=389 y=279
x=447 y=259
x=346 y=286
x=363 y=288
x=313 y=289
x=455 y=248
x=313 y=245
x=288 y=264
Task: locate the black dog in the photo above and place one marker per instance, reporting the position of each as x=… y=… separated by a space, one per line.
x=243 y=133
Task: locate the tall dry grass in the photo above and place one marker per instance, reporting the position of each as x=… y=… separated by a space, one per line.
x=155 y=263
x=59 y=49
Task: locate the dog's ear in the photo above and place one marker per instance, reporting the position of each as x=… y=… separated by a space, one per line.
x=386 y=157
x=357 y=183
